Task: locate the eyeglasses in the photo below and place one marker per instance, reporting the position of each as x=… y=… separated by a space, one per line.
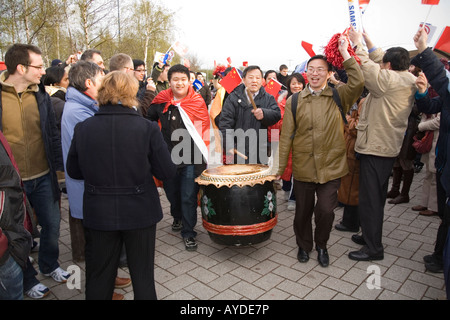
x=37 y=67
x=318 y=70
x=138 y=70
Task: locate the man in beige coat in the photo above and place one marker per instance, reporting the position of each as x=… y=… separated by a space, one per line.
x=319 y=157
x=381 y=128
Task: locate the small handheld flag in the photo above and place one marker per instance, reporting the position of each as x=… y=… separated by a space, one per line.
x=273 y=87
x=231 y=80
x=197 y=84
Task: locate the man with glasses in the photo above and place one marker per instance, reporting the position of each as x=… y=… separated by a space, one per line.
x=28 y=122
x=316 y=138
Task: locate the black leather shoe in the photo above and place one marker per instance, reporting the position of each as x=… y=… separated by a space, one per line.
x=428 y=259
x=302 y=255
x=362 y=256
x=358 y=239
x=341 y=227
x=434 y=267
x=322 y=257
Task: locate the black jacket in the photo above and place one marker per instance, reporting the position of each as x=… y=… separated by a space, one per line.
x=436 y=75
x=12 y=212
x=237 y=114
x=117 y=152
x=50 y=136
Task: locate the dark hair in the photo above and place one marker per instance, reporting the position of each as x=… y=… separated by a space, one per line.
x=80 y=72
x=53 y=75
x=251 y=68
x=137 y=63
x=199 y=74
x=178 y=68
x=398 y=57
x=19 y=53
x=299 y=78
x=269 y=72
x=89 y=53
x=283 y=66
x=321 y=57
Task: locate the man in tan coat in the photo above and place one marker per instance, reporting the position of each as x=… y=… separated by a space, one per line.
x=381 y=129
x=318 y=150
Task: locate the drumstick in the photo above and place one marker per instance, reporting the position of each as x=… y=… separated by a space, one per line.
x=240 y=154
x=251 y=100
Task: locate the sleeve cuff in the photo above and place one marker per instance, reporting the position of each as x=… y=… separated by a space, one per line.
x=419 y=96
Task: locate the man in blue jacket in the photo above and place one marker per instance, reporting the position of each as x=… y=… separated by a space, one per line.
x=439 y=79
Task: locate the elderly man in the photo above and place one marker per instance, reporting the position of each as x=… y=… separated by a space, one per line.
x=246 y=115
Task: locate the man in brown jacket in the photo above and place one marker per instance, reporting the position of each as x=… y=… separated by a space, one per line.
x=318 y=150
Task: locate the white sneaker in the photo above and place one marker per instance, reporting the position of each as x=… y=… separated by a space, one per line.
x=59 y=275
x=291 y=206
x=38 y=291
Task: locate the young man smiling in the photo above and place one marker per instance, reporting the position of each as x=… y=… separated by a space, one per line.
x=28 y=122
x=184 y=124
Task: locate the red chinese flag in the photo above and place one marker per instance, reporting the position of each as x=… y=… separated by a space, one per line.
x=245 y=63
x=273 y=87
x=231 y=80
x=443 y=44
x=432 y=2
x=308 y=48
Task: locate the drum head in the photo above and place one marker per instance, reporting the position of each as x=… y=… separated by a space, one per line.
x=236 y=175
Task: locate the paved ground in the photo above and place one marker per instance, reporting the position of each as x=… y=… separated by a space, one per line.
x=270 y=270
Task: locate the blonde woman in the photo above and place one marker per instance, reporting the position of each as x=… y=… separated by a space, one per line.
x=117 y=152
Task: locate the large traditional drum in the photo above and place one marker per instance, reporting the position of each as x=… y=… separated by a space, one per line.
x=238 y=203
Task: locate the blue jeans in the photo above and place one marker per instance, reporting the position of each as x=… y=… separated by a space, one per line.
x=181 y=191
x=11 y=280
x=39 y=192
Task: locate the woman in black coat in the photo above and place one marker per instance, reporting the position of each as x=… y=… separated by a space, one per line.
x=117 y=152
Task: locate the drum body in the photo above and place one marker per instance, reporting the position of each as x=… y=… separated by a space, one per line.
x=238 y=204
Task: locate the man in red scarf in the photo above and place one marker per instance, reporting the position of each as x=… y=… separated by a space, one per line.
x=184 y=121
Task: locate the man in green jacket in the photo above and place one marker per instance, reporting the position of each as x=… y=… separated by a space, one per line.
x=318 y=149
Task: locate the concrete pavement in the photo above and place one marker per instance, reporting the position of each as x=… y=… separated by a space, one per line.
x=270 y=270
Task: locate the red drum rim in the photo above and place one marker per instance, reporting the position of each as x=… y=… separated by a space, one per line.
x=241 y=230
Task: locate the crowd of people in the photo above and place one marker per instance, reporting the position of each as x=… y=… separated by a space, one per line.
x=111 y=138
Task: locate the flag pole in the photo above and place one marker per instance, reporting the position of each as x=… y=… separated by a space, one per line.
x=428 y=14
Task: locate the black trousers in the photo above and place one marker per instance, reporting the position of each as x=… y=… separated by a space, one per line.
x=323 y=210
x=102 y=254
x=373 y=185
x=444 y=214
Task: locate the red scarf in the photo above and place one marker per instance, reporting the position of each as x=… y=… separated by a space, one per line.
x=194 y=106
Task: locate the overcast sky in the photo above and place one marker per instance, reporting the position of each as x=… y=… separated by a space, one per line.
x=269 y=33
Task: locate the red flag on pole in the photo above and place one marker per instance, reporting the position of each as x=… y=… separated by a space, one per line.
x=273 y=87
x=443 y=44
x=432 y=2
x=245 y=64
x=231 y=80
x=308 y=48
